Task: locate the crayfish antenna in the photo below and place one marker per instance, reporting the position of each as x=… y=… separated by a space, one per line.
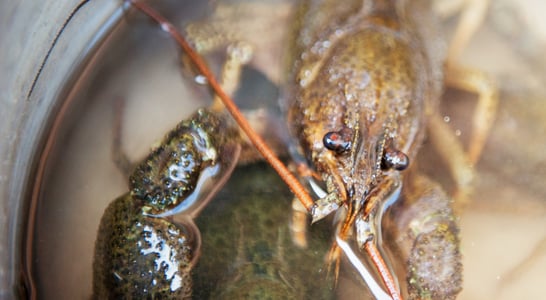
x=382 y=268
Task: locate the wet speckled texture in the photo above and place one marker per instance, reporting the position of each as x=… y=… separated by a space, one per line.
x=423 y=234
x=138 y=255
x=170 y=172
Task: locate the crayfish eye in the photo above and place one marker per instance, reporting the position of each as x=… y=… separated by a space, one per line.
x=338 y=141
x=394 y=159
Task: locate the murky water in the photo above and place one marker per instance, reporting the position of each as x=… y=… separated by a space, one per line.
x=503 y=228
x=82 y=177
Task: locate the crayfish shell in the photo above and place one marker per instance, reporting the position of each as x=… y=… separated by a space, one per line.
x=138 y=256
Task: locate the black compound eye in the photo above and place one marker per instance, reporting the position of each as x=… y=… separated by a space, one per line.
x=338 y=141
x=395 y=159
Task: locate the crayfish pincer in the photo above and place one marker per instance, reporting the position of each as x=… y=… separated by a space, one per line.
x=147 y=242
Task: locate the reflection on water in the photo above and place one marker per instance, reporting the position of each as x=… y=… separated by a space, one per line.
x=503 y=229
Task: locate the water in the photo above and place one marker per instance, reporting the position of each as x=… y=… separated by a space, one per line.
x=82 y=178
x=503 y=228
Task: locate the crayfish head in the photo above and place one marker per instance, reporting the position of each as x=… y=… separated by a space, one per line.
x=352 y=162
x=348 y=165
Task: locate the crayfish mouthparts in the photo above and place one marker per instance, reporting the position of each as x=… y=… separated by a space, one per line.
x=324 y=206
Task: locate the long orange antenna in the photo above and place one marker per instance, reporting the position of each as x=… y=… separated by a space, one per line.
x=293 y=183
x=383 y=270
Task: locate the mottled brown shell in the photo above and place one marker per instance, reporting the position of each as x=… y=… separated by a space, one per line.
x=141 y=257
x=368 y=72
x=139 y=254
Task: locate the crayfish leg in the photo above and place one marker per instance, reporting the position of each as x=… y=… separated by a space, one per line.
x=461 y=161
x=419 y=228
